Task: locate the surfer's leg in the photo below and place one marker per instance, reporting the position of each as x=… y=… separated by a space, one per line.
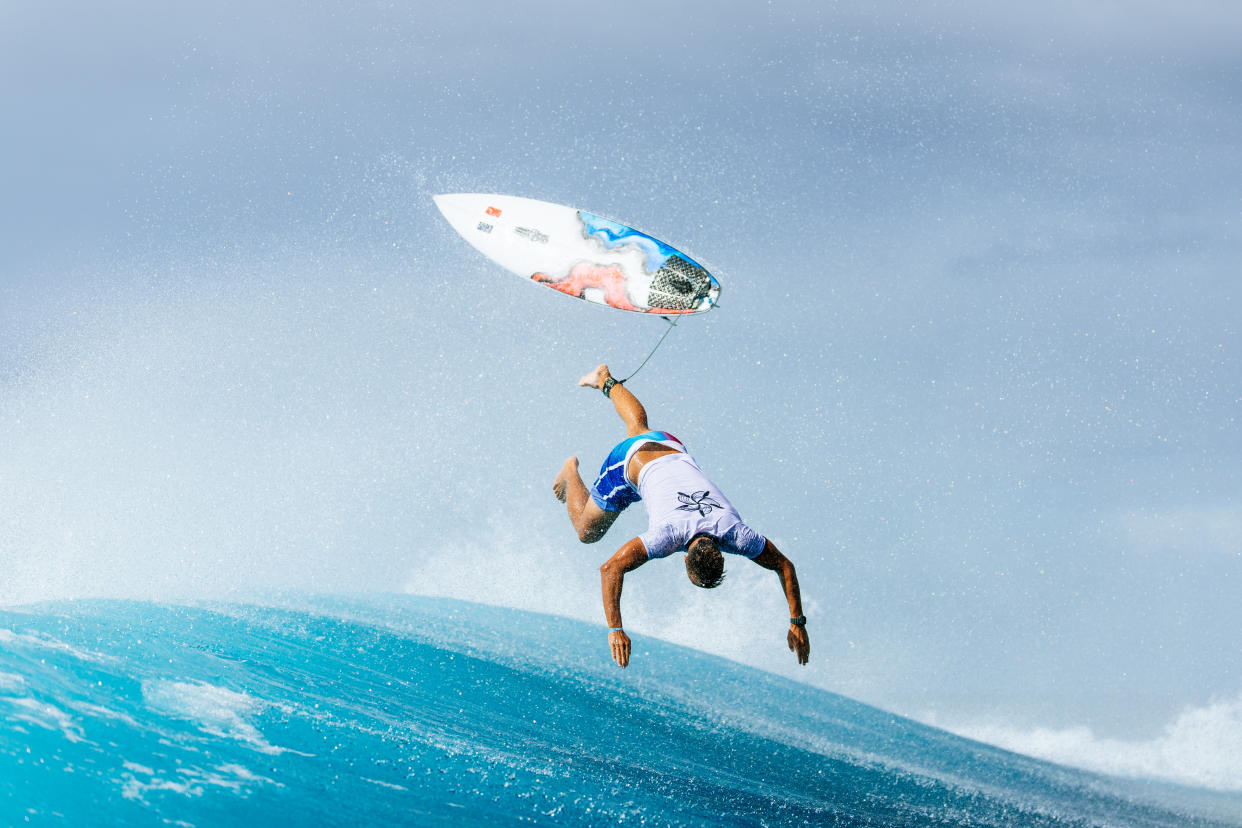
x=590 y=521
x=629 y=409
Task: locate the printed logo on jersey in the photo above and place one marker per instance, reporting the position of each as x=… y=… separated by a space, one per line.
x=494 y=212
x=700 y=502
x=485 y=227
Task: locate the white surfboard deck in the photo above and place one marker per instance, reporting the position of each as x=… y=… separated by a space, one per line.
x=581 y=254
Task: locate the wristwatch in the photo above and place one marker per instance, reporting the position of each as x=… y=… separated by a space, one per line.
x=800 y=621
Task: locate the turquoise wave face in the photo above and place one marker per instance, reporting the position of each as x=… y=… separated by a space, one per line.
x=432 y=712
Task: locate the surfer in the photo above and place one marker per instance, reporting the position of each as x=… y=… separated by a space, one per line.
x=685 y=510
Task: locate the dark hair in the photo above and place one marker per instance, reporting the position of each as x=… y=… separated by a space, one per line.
x=704 y=563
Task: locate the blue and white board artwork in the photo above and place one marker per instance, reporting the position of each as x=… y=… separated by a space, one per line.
x=581 y=254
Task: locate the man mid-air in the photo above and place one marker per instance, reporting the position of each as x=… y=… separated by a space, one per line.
x=685 y=510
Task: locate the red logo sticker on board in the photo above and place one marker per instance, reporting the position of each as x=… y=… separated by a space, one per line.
x=493 y=211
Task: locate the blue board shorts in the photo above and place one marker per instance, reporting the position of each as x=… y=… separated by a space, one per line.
x=612 y=490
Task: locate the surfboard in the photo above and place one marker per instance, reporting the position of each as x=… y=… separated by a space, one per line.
x=581 y=254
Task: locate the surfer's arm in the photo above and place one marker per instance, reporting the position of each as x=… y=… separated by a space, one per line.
x=771 y=558
x=612 y=574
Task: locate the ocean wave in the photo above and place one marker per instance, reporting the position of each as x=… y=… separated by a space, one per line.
x=435 y=711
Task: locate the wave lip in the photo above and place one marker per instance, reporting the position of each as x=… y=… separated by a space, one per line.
x=436 y=711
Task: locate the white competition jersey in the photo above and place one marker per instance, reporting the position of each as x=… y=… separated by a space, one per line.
x=681 y=503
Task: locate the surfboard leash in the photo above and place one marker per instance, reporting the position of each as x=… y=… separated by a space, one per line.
x=672 y=323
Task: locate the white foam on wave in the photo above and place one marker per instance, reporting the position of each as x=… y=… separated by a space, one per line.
x=217 y=711
x=48 y=716
x=12 y=683
x=1201 y=747
x=139 y=780
x=14 y=689
x=14 y=639
x=381 y=783
x=99 y=712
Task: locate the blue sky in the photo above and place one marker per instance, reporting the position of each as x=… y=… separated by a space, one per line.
x=975 y=366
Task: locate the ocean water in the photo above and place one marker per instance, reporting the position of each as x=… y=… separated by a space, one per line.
x=404 y=710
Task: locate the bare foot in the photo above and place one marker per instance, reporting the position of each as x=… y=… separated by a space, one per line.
x=596 y=378
x=561 y=483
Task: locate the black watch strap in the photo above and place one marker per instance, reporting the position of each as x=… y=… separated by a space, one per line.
x=800 y=621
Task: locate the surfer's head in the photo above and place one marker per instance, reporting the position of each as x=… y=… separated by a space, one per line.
x=704 y=562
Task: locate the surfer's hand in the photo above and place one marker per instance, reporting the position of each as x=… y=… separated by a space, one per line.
x=799 y=643
x=620 y=643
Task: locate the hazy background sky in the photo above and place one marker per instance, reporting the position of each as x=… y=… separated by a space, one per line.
x=976 y=365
